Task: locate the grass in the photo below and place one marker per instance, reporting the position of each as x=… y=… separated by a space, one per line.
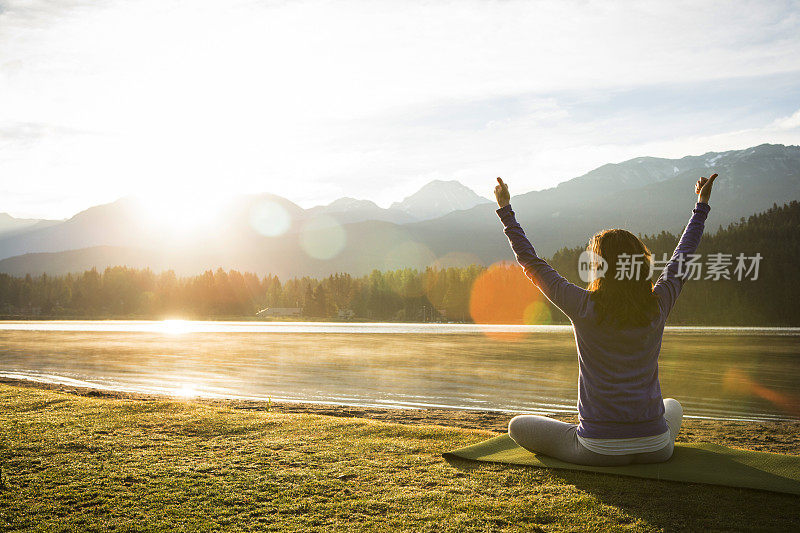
x=80 y=463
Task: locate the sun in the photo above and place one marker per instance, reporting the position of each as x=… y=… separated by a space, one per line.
x=181 y=214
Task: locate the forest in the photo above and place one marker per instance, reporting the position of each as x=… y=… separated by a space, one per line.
x=497 y=294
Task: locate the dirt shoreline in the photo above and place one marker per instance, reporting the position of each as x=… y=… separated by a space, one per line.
x=777 y=437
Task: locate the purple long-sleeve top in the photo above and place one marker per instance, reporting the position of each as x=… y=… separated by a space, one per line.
x=619 y=395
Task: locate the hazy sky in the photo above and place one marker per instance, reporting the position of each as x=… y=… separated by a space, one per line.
x=317 y=100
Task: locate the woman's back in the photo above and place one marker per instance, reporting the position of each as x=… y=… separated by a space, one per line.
x=619 y=395
x=618 y=323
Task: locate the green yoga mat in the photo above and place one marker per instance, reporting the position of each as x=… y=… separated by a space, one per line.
x=693 y=463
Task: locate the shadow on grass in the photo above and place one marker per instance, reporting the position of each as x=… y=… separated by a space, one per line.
x=677 y=506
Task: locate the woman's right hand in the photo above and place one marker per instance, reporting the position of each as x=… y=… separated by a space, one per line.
x=703 y=188
x=501 y=193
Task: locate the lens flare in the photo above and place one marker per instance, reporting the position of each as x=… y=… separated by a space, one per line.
x=503 y=295
x=738 y=382
x=537 y=312
x=323 y=237
x=269 y=218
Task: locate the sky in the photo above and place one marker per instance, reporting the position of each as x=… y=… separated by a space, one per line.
x=315 y=100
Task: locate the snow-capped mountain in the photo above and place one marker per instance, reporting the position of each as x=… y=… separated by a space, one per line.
x=439 y=198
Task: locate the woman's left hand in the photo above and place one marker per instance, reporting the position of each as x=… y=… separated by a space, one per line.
x=501 y=193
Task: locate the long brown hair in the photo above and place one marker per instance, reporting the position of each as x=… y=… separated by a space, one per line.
x=626 y=302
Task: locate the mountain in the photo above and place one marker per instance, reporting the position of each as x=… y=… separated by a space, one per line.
x=433 y=200
x=643 y=195
x=269 y=234
x=129 y=222
x=347 y=210
x=14 y=226
x=117 y=222
x=439 y=198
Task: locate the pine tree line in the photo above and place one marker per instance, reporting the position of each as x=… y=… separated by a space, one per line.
x=405 y=294
x=769 y=300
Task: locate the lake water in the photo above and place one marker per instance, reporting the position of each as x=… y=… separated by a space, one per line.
x=723 y=373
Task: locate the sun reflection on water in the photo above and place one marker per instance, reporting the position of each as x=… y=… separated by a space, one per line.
x=187 y=390
x=176 y=327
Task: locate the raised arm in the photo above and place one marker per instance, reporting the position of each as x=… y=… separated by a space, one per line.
x=669 y=284
x=565 y=295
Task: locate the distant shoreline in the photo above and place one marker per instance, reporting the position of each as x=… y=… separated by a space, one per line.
x=53 y=318
x=233 y=318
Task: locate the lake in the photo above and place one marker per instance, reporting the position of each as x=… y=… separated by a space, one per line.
x=720 y=373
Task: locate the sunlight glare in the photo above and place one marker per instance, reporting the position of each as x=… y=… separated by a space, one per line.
x=175 y=327
x=187 y=390
x=179 y=214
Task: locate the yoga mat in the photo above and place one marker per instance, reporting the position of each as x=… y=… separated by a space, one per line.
x=693 y=463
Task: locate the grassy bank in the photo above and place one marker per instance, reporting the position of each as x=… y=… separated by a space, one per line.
x=72 y=462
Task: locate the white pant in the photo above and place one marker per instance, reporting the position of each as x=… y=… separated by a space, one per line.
x=548 y=436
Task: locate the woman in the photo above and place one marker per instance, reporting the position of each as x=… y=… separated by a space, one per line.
x=618 y=322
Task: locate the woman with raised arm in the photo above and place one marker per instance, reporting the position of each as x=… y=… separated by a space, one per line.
x=618 y=323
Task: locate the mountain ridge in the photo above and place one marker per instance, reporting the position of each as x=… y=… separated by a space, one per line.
x=644 y=195
x=11 y=225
